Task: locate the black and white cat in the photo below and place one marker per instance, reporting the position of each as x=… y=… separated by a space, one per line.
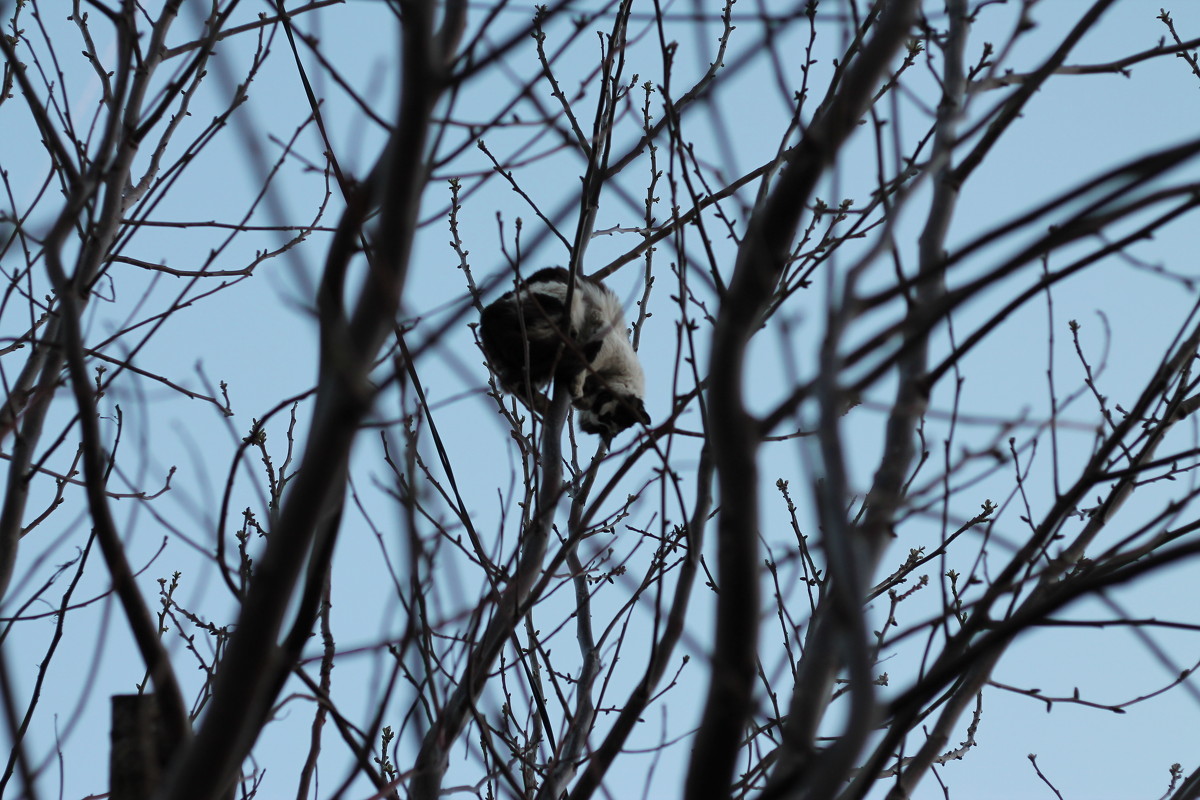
x=530 y=340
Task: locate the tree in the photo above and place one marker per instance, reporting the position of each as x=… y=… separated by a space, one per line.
x=379 y=575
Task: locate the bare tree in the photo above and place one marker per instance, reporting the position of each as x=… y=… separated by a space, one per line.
x=244 y=252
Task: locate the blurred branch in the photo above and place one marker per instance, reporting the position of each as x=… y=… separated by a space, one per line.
x=968 y=658
x=254 y=665
x=262 y=22
x=1119 y=66
x=434 y=756
x=837 y=634
x=1010 y=109
x=761 y=260
x=172 y=710
x=660 y=655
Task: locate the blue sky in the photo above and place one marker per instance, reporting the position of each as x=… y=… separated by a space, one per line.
x=259 y=337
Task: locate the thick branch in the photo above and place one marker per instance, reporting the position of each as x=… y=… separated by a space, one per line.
x=434 y=756
x=761 y=261
x=249 y=679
